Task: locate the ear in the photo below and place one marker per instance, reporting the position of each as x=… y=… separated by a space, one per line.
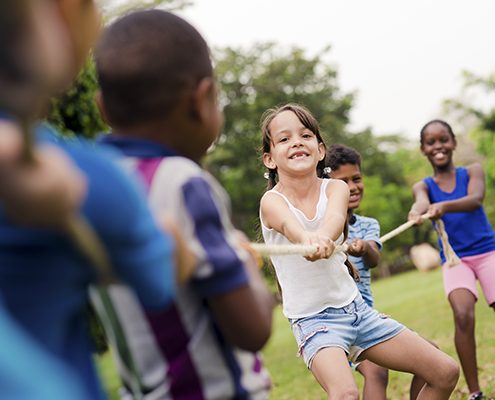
x=203 y=97
x=268 y=161
x=101 y=107
x=322 y=150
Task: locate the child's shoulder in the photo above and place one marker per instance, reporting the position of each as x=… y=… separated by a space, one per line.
x=475 y=167
x=366 y=220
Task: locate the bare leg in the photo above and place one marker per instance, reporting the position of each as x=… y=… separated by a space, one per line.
x=417 y=383
x=331 y=369
x=375 y=380
x=462 y=302
x=409 y=352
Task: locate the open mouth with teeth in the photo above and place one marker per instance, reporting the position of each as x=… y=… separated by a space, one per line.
x=440 y=156
x=299 y=154
x=354 y=196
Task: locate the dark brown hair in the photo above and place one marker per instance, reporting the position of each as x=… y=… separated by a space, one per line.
x=306 y=118
x=339 y=154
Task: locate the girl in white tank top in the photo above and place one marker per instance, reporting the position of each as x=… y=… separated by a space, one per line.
x=329 y=319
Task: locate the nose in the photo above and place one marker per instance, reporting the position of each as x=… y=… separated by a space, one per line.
x=296 y=141
x=437 y=144
x=352 y=186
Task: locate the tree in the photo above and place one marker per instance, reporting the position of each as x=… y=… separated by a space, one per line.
x=75 y=111
x=481 y=119
x=253 y=80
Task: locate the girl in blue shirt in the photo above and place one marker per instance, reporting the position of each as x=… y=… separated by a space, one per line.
x=456 y=196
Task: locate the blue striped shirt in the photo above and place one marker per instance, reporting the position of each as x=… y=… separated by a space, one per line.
x=364 y=228
x=198 y=361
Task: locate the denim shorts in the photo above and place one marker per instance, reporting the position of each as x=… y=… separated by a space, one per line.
x=354 y=328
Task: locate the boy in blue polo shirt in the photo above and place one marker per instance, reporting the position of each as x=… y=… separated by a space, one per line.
x=364 y=253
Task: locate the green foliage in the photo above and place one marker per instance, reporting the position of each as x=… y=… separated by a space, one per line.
x=252 y=81
x=75 y=112
x=483 y=131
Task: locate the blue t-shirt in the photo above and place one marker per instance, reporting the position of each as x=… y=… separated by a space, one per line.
x=469 y=232
x=44 y=280
x=364 y=228
x=29 y=372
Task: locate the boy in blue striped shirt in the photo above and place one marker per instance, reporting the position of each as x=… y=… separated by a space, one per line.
x=364 y=253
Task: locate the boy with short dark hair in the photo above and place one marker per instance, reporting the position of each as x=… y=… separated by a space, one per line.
x=364 y=249
x=159 y=95
x=364 y=252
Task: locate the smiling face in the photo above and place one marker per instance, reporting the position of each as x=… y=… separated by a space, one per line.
x=351 y=174
x=294 y=149
x=438 y=145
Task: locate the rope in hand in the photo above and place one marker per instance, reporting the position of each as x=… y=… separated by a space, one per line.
x=305 y=250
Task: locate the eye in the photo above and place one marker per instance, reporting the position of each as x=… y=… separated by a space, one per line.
x=283 y=139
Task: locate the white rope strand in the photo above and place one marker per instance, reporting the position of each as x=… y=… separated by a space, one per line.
x=290 y=249
x=266 y=250
x=401 y=228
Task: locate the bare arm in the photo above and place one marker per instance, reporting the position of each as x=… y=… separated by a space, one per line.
x=336 y=213
x=367 y=249
x=421 y=202
x=276 y=215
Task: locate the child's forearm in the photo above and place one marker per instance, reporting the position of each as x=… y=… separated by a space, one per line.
x=420 y=207
x=467 y=203
x=372 y=256
x=292 y=231
x=333 y=225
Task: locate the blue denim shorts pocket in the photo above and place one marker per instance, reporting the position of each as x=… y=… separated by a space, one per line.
x=353 y=328
x=331 y=327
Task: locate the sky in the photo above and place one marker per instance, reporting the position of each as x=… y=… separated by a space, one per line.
x=400 y=57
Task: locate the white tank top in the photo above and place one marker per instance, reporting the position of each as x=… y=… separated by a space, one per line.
x=309 y=287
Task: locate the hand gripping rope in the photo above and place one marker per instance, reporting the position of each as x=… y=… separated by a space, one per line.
x=305 y=249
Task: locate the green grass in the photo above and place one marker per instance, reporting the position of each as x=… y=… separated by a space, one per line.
x=416 y=299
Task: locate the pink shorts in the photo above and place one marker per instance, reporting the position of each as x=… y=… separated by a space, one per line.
x=464 y=275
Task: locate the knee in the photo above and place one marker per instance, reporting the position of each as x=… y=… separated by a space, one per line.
x=378 y=375
x=344 y=393
x=464 y=319
x=448 y=374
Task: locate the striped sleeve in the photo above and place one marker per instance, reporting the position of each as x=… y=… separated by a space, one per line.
x=227 y=270
x=371 y=230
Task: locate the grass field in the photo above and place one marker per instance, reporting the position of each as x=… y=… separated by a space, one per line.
x=415 y=299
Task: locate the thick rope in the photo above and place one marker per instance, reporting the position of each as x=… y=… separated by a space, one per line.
x=306 y=250
x=290 y=249
x=450 y=255
x=400 y=229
